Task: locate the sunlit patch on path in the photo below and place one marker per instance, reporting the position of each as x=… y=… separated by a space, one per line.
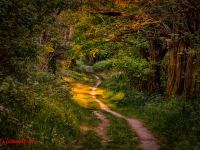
x=147 y=139
x=81 y=93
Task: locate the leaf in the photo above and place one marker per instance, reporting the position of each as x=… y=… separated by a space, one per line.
x=49 y=49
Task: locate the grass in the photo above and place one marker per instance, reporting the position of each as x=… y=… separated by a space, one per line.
x=91 y=141
x=121 y=135
x=81 y=90
x=175 y=121
x=45 y=111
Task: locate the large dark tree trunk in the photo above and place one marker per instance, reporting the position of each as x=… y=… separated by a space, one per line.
x=154 y=56
x=197 y=77
x=182 y=67
x=189 y=82
x=183 y=57
x=176 y=67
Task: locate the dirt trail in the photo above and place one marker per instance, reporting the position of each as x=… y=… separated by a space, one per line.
x=147 y=139
x=102 y=128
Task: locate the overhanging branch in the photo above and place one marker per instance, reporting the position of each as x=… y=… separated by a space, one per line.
x=109 y=13
x=121 y=41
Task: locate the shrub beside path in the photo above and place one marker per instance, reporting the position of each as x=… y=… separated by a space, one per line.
x=147 y=139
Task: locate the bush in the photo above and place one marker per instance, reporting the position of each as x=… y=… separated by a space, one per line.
x=176 y=119
x=135 y=70
x=39 y=109
x=82 y=68
x=17 y=101
x=102 y=65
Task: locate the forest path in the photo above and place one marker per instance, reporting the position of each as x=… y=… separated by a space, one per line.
x=147 y=139
x=101 y=129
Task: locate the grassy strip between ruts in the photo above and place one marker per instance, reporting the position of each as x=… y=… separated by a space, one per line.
x=121 y=135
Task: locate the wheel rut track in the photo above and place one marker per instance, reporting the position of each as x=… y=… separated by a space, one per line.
x=148 y=141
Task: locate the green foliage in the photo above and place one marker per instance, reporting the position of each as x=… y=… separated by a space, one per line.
x=94 y=34
x=102 y=66
x=82 y=68
x=40 y=109
x=27 y=98
x=134 y=70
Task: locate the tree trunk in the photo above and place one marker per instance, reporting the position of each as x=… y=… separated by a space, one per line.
x=189 y=81
x=154 y=56
x=176 y=67
x=72 y=64
x=52 y=64
x=182 y=67
x=197 y=77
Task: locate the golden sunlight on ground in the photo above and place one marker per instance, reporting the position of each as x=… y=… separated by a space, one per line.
x=100 y=92
x=113 y=96
x=81 y=88
x=82 y=93
x=69 y=79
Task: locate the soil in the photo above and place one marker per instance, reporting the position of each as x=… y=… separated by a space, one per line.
x=102 y=128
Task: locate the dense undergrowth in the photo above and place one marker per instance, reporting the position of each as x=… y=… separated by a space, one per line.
x=41 y=110
x=175 y=121
x=48 y=111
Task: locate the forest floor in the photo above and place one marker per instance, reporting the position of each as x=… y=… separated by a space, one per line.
x=83 y=93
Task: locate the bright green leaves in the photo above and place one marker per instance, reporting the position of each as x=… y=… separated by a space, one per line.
x=76 y=52
x=49 y=49
x=134 y=70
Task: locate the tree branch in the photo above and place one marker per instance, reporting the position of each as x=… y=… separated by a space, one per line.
x=147 y=35
x=195 y=3
x=121 y=41
x=109 y=13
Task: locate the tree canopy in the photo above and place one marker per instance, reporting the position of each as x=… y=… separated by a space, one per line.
x=171 y=29
x=21 y=23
